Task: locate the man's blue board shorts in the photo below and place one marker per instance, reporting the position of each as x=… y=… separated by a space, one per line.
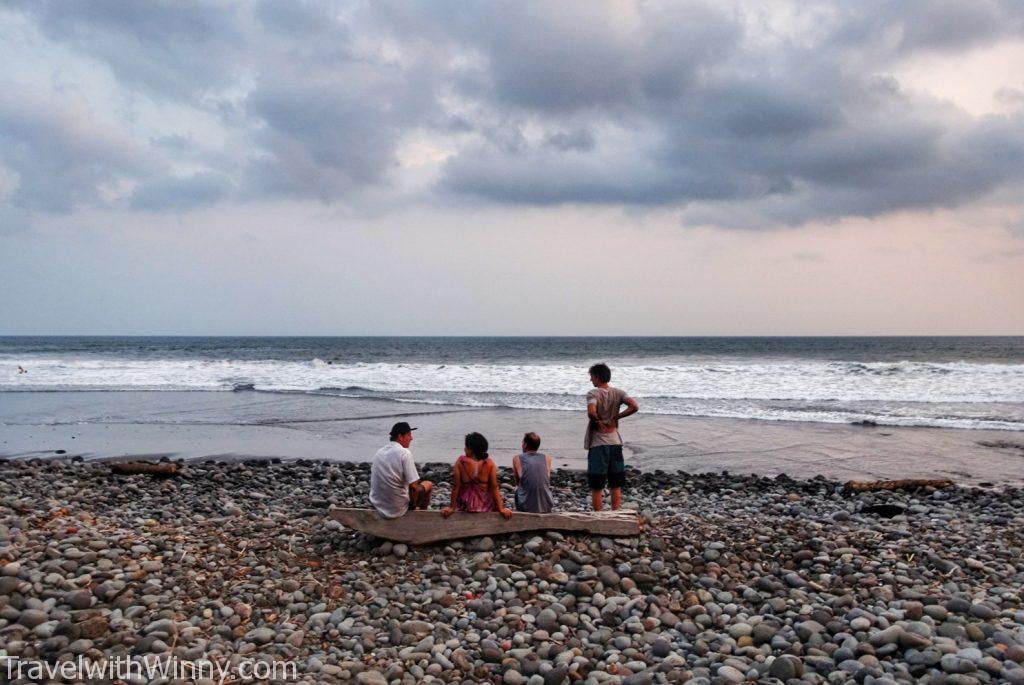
x=605 y=466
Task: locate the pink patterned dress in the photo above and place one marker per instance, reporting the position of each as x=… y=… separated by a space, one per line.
x=475 y=494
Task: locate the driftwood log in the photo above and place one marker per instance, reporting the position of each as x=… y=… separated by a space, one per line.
x=911 y=484
x=423 y=527
x=129 y=468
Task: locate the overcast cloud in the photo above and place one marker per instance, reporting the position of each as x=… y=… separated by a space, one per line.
x=586 y=167
x=737 y=115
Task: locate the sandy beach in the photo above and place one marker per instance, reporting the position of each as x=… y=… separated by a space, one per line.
x=762 y=260
x=736 y=578
x=231 y=425
x=755 y=564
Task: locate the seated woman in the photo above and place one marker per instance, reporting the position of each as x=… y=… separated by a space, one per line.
x=475 y=481
x=533 y=478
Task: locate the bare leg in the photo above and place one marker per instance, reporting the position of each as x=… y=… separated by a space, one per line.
x=426 y=489
x=419 y=494
x=597 y=499
x=616 y=499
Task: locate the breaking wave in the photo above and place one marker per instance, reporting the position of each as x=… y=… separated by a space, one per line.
x=951 y=394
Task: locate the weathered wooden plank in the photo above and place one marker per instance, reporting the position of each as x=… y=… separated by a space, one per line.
x=162 y=469
x=424 y=527
x=910 y=484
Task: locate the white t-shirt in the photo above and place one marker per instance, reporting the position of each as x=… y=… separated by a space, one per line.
x=391 y=474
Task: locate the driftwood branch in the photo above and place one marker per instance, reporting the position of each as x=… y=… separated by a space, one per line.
x=911 y=484
x=162 y=469
x=424 y=527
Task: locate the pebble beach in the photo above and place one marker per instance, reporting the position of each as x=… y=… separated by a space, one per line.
x=736 y=578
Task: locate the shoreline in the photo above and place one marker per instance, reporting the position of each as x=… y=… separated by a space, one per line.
x=444 y=408
x=251 y=461
x=737 y=577
x=235 y=425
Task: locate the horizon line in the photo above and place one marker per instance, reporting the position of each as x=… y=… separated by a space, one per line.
x=507 y=336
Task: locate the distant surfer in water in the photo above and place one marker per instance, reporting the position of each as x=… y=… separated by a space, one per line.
x=21 y=370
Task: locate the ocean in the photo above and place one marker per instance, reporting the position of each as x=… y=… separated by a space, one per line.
x=946 y=382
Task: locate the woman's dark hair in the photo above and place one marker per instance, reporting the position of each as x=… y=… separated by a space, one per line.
x=477 y=445
x=602 y=372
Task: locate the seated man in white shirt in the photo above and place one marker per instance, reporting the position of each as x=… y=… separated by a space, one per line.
x=395 y=485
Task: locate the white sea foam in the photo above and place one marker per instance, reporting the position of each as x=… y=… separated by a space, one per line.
x=960 y=394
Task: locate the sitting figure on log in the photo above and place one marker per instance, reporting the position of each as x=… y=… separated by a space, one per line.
x=532 y=471
x=395 y=485
x=475 y=481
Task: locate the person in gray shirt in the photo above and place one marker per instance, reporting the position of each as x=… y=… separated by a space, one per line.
x=532 y=472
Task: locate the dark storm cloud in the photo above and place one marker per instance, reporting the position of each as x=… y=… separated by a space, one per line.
x=559 y=57
x=62 y=157
x=171 y=193
x=579 y=139
x=697 y=105
x=1013 y=97
x=913 y=25
x=327 y=134
x=783 y=134
x=169 y=48
x=567 y=57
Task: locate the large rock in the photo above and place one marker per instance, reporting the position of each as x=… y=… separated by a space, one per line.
x=889 y=636
x=371 y=678
x=728 y=674
x=79 y=599
x=417 y=627
x=548 y=620
x=491 y=652
x=261 y=636
x=93 y=628
x=30 y=618
x=786 y=667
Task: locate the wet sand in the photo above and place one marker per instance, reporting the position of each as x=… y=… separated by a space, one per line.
x=196 y=425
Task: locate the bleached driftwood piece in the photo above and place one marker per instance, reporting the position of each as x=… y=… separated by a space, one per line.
x=911 y=484
x=423 y=527
x=128 y=468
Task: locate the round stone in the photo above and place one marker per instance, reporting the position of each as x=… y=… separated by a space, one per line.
x=79 y=599
x=728 y=674
x=30 y=618
x=513 y=677
x=785 y=667
x=661 y=648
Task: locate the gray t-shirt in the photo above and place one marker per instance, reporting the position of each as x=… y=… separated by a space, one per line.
x=533 y=494
x=608 y=401
x=391 y=474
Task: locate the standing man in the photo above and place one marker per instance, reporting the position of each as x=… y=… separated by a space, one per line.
x=395 y=485
x=605 y=465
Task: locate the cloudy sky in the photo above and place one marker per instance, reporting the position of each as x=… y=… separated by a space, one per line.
x=174 y=167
